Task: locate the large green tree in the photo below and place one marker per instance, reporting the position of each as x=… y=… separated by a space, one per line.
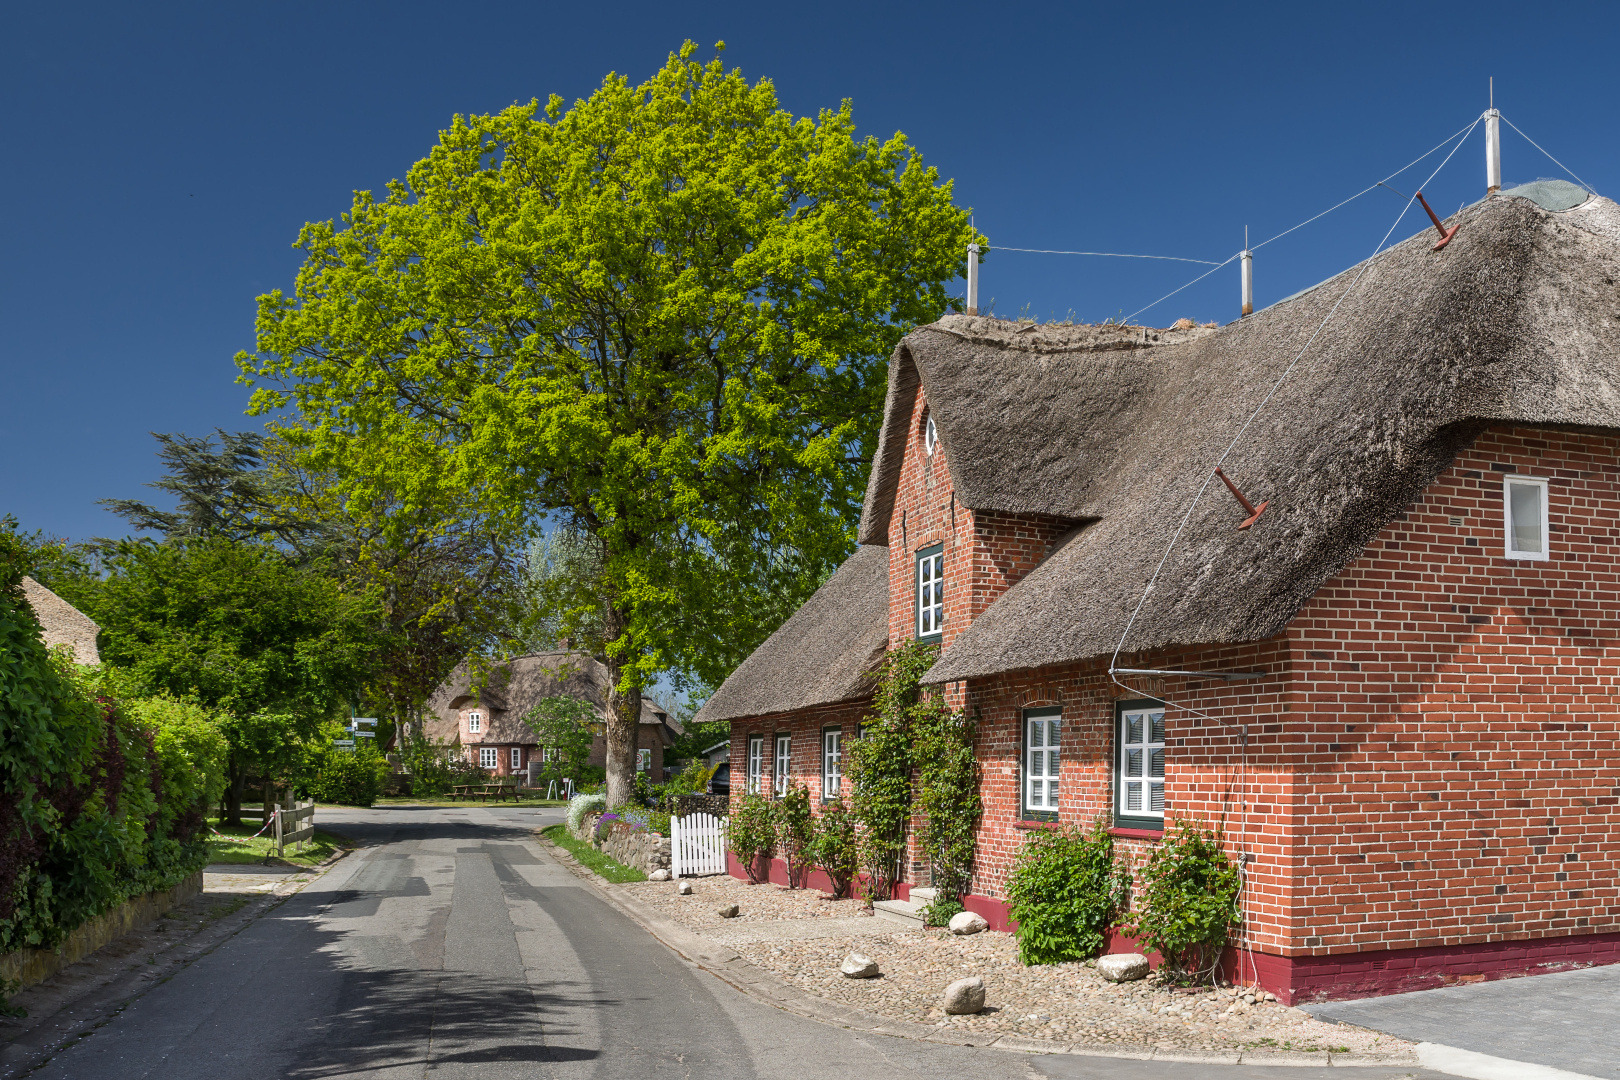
x=660 y=318
x=231 y=624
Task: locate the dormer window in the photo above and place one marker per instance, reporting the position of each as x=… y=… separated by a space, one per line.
x=930 y=592
x=930 y=435
x=475 y=722
x=1524 y=509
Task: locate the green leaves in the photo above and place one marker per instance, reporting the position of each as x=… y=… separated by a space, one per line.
x=1064 y=892
x=1188 y=901
x=661 y=317
x=751 y=831
x=795 y=832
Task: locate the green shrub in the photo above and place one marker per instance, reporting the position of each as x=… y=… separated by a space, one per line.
x=947 y=795
x=880 y=763
x=938 y=911
x=1188 y=902
x=347 y=778
x=100 y=800
x=836 y=849
x=795 y=832
x=752 y=831
x=1065 y=891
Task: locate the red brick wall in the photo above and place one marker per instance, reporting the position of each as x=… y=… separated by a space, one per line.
x=1454 y=715
x=986 y=552
x=805 y=727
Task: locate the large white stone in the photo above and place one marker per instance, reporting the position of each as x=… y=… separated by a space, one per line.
x=1122 y=967
x=859 y=966
x=684 y=888
x=965 y=996
x=967 y=922
x=658 y=875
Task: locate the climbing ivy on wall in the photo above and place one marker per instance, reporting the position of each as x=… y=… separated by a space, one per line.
x=912 y=730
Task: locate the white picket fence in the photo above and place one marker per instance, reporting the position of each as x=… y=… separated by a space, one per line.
x=697 y=845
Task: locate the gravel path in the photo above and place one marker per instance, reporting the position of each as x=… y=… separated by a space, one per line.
x=1060 y=1002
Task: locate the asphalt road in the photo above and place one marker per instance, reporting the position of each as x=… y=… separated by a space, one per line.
x=451 y=945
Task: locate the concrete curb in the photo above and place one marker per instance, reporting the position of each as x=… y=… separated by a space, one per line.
x=725 y=964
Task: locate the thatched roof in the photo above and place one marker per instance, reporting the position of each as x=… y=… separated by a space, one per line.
x=512 y=688
x=62 y=623
x=1516 y=320
x=827 y=652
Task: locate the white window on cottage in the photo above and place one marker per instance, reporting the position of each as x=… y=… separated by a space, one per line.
x=784 y=765
x=930 y=592
x=756 y=763
x=489 y=757
x=475 y=722
x=1140 y=782
x=832 y=763
x=930 y=434
x=1524 y=511
x=551 y=753
x=643 y=761
x=517 y=758
x=1043 y=739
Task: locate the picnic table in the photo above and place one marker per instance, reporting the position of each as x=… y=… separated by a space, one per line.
x=495 y=790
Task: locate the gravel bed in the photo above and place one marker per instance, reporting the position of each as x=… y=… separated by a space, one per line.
x=1061 y=1002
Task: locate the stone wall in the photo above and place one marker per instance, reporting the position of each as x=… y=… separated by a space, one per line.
x=644 y=851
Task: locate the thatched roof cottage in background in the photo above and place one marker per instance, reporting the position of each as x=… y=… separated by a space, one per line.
x=62 y=623
x=1394 y=688
x=483 y=717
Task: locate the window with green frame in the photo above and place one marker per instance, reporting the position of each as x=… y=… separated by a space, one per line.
x=930 y=594
x=1040 y=764
x=1139 y=751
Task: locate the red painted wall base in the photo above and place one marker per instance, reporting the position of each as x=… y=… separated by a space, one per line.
x=1298 y=979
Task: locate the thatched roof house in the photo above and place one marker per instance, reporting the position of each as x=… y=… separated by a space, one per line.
x=1396 y=685
x=505 y=694
x=62 y=623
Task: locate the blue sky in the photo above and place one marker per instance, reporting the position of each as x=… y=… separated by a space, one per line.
x=162 y=160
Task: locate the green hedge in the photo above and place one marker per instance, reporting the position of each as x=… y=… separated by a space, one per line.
x=100 y=800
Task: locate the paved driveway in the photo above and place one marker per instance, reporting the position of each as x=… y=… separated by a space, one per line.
x=1567 y=1020
x=452 y=945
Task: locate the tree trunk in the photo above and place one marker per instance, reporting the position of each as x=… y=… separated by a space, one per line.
x=233 y=796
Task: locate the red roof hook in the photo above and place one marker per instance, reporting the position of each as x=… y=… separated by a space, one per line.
x=1445 y=237
x=1254 y=511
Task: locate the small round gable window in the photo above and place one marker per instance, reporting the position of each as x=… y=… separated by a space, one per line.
x=930 y=436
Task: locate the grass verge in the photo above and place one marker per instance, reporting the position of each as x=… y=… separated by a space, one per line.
x=612 y=869
x=239 y=845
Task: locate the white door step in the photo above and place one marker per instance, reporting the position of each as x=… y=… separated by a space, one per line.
x=899 y=911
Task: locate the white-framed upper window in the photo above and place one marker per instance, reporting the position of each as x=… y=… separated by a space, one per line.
x=517 y=758
x=551 y=753
x=1524 y=517
x=489 y=757
x=832 y=763
x=1043 y=738
x=475 y=722
x=1140 y=784
x=930 y=434
x=930 y=591
x=784 y=765
x=756 y=762
x=643 y=761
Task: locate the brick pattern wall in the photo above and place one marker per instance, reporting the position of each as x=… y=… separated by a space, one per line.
x=804 y=728
x=1454 y=714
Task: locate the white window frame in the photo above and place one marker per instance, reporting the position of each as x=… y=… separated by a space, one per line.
x=475 y=722
x=1508 y=483
x=517 y=758
x=551 y=753
x=1043 y=762
x=930 y=574
x=644 y=761
x=832 y=763
x=1135 y=762
x=755 y=763
x=489 y=757
x=930 y=435
x=783 y=771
